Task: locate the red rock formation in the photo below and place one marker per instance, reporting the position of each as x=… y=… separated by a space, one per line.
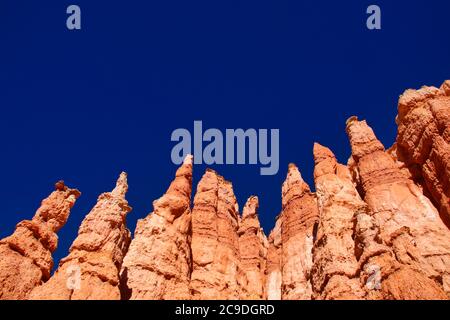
x=253 y=251
x=26 y=255
x=335 y=270
x=414 y=244
x=370 y=231
x=216 y=271
x=273 y=264
x=423 y=141
x=298 y=217
x=158 y=263
x=91 y=270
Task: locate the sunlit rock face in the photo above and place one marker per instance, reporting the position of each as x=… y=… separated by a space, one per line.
x=158 y=263
x=405 y=221
x=376 y=228
x=26 y=255
x=91 y=270
x=298 y=219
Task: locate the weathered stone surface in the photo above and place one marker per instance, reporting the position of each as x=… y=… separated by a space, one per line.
x=423 y=141
x=298 y=218
x=273 y=264
x=91 y=270
x=216 y=270
x=26 y=255
x=253 y=251
x=401 y=219
x=335 y=270
x=158 y=263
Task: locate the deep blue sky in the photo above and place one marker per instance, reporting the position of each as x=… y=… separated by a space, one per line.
x=83 y=106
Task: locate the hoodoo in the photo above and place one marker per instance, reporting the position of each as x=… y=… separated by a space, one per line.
x=375 y=228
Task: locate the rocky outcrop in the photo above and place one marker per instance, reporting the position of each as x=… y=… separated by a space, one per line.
x=91 y=270
x=414 y=248
x=335 y=271
x=158 y=263
x=376 y=228
x=26 y=255
x=252 y=251
x=423 y=141
x=298 y=218
x=216 y=272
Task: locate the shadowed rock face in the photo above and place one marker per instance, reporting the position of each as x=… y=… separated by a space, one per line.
x=403 y=220
x=298 y=217
x=26 y=255
x=376 y=228
x=158 y=263
x=91 y=270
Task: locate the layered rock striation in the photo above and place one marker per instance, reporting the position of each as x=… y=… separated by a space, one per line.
x=158 y=263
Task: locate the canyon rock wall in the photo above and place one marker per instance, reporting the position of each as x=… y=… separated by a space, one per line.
x=376 y=228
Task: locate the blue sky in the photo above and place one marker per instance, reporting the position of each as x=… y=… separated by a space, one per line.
x=84 y=105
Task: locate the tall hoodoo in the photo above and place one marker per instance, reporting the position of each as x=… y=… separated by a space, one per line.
x=404 y=219
x=216 y=272
x=423 y=141
x=91 y=270
x=335 y=269
x=158 y=263
x=26 y=256
x=298 y=218
x=253 y=251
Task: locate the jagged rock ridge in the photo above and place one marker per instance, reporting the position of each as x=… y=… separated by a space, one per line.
x=376 y=228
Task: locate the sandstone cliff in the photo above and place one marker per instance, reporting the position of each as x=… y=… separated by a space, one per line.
x=26 y=255
x=91 y=270
x=376 y=228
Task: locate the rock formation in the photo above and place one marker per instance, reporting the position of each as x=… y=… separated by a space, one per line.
x=253 y=251
x=298 y=218
x=376 y=228
x=335 y=270
x=273 y=265
x=91 y=270
x=26 y=255
x=158 y=263
x=405 y=221
x=423 y=141
x=216 y=272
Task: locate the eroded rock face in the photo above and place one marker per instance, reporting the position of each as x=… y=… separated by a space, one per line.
x=413 y=243
x=26 y=255
x=298 y=218
x=158 y=263
x=216 y=272
x=253 y=251
x=335 y=271
x=423 y=141
x=273 y=264
x=91 y=270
